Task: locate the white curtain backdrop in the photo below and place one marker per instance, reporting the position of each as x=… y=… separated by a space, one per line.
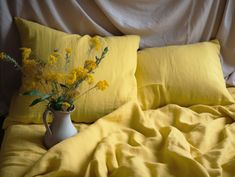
x=158 y=22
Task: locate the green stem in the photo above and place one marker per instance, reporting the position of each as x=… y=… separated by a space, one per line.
x=43 y=85
x=56 y=88
x=85 y=92
x=11 y=60
x=98 y=60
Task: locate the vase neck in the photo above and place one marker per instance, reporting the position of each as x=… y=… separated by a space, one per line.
x=61 y=112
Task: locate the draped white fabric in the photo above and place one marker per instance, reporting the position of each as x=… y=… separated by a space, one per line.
x=158 y=22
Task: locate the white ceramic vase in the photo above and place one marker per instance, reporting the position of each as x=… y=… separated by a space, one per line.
x=60 y=128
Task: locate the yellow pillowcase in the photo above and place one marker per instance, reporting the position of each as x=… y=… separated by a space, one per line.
x=185 y=75
x=118 y=68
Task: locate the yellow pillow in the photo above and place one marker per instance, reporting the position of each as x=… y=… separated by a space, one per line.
x=118 y=68
x=185 y=75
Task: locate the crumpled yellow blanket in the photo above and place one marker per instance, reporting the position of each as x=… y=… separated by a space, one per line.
x=198 y=141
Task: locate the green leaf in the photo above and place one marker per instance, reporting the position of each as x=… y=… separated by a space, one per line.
x=34 y=93
x=57 y=105
x=38 y=100
x=61 y=98
x=98 y=60
x=106 y=49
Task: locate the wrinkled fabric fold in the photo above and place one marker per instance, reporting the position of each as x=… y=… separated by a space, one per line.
x=169 y=141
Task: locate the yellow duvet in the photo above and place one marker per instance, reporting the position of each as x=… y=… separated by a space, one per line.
x=171 y=141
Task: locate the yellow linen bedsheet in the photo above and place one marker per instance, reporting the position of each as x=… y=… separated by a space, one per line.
x=170 y=141
x=20 y=149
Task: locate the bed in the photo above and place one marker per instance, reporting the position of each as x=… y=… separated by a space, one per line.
x=168 y=110
x=173 y=145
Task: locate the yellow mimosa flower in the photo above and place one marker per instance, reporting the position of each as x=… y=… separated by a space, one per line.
x=55 y=79
x=51 y=76
x=90 y=65
x=57 y=54
x=68 y=50
x=102 y=85
x=96 y=42
x=59 y=77
x=72 y=77
x=30 y=67
x=27 y=85
x=65 y=106
x=73 y=94
x=2 y=55
x=81 y=73
x=30 y=62
x=52 y=59
x=90 y=79
x=25 y=52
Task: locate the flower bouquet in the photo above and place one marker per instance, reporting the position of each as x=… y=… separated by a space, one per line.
x=58 y=85
x=51 y=82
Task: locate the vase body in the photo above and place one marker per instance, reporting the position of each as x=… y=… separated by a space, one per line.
x=60 y=128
